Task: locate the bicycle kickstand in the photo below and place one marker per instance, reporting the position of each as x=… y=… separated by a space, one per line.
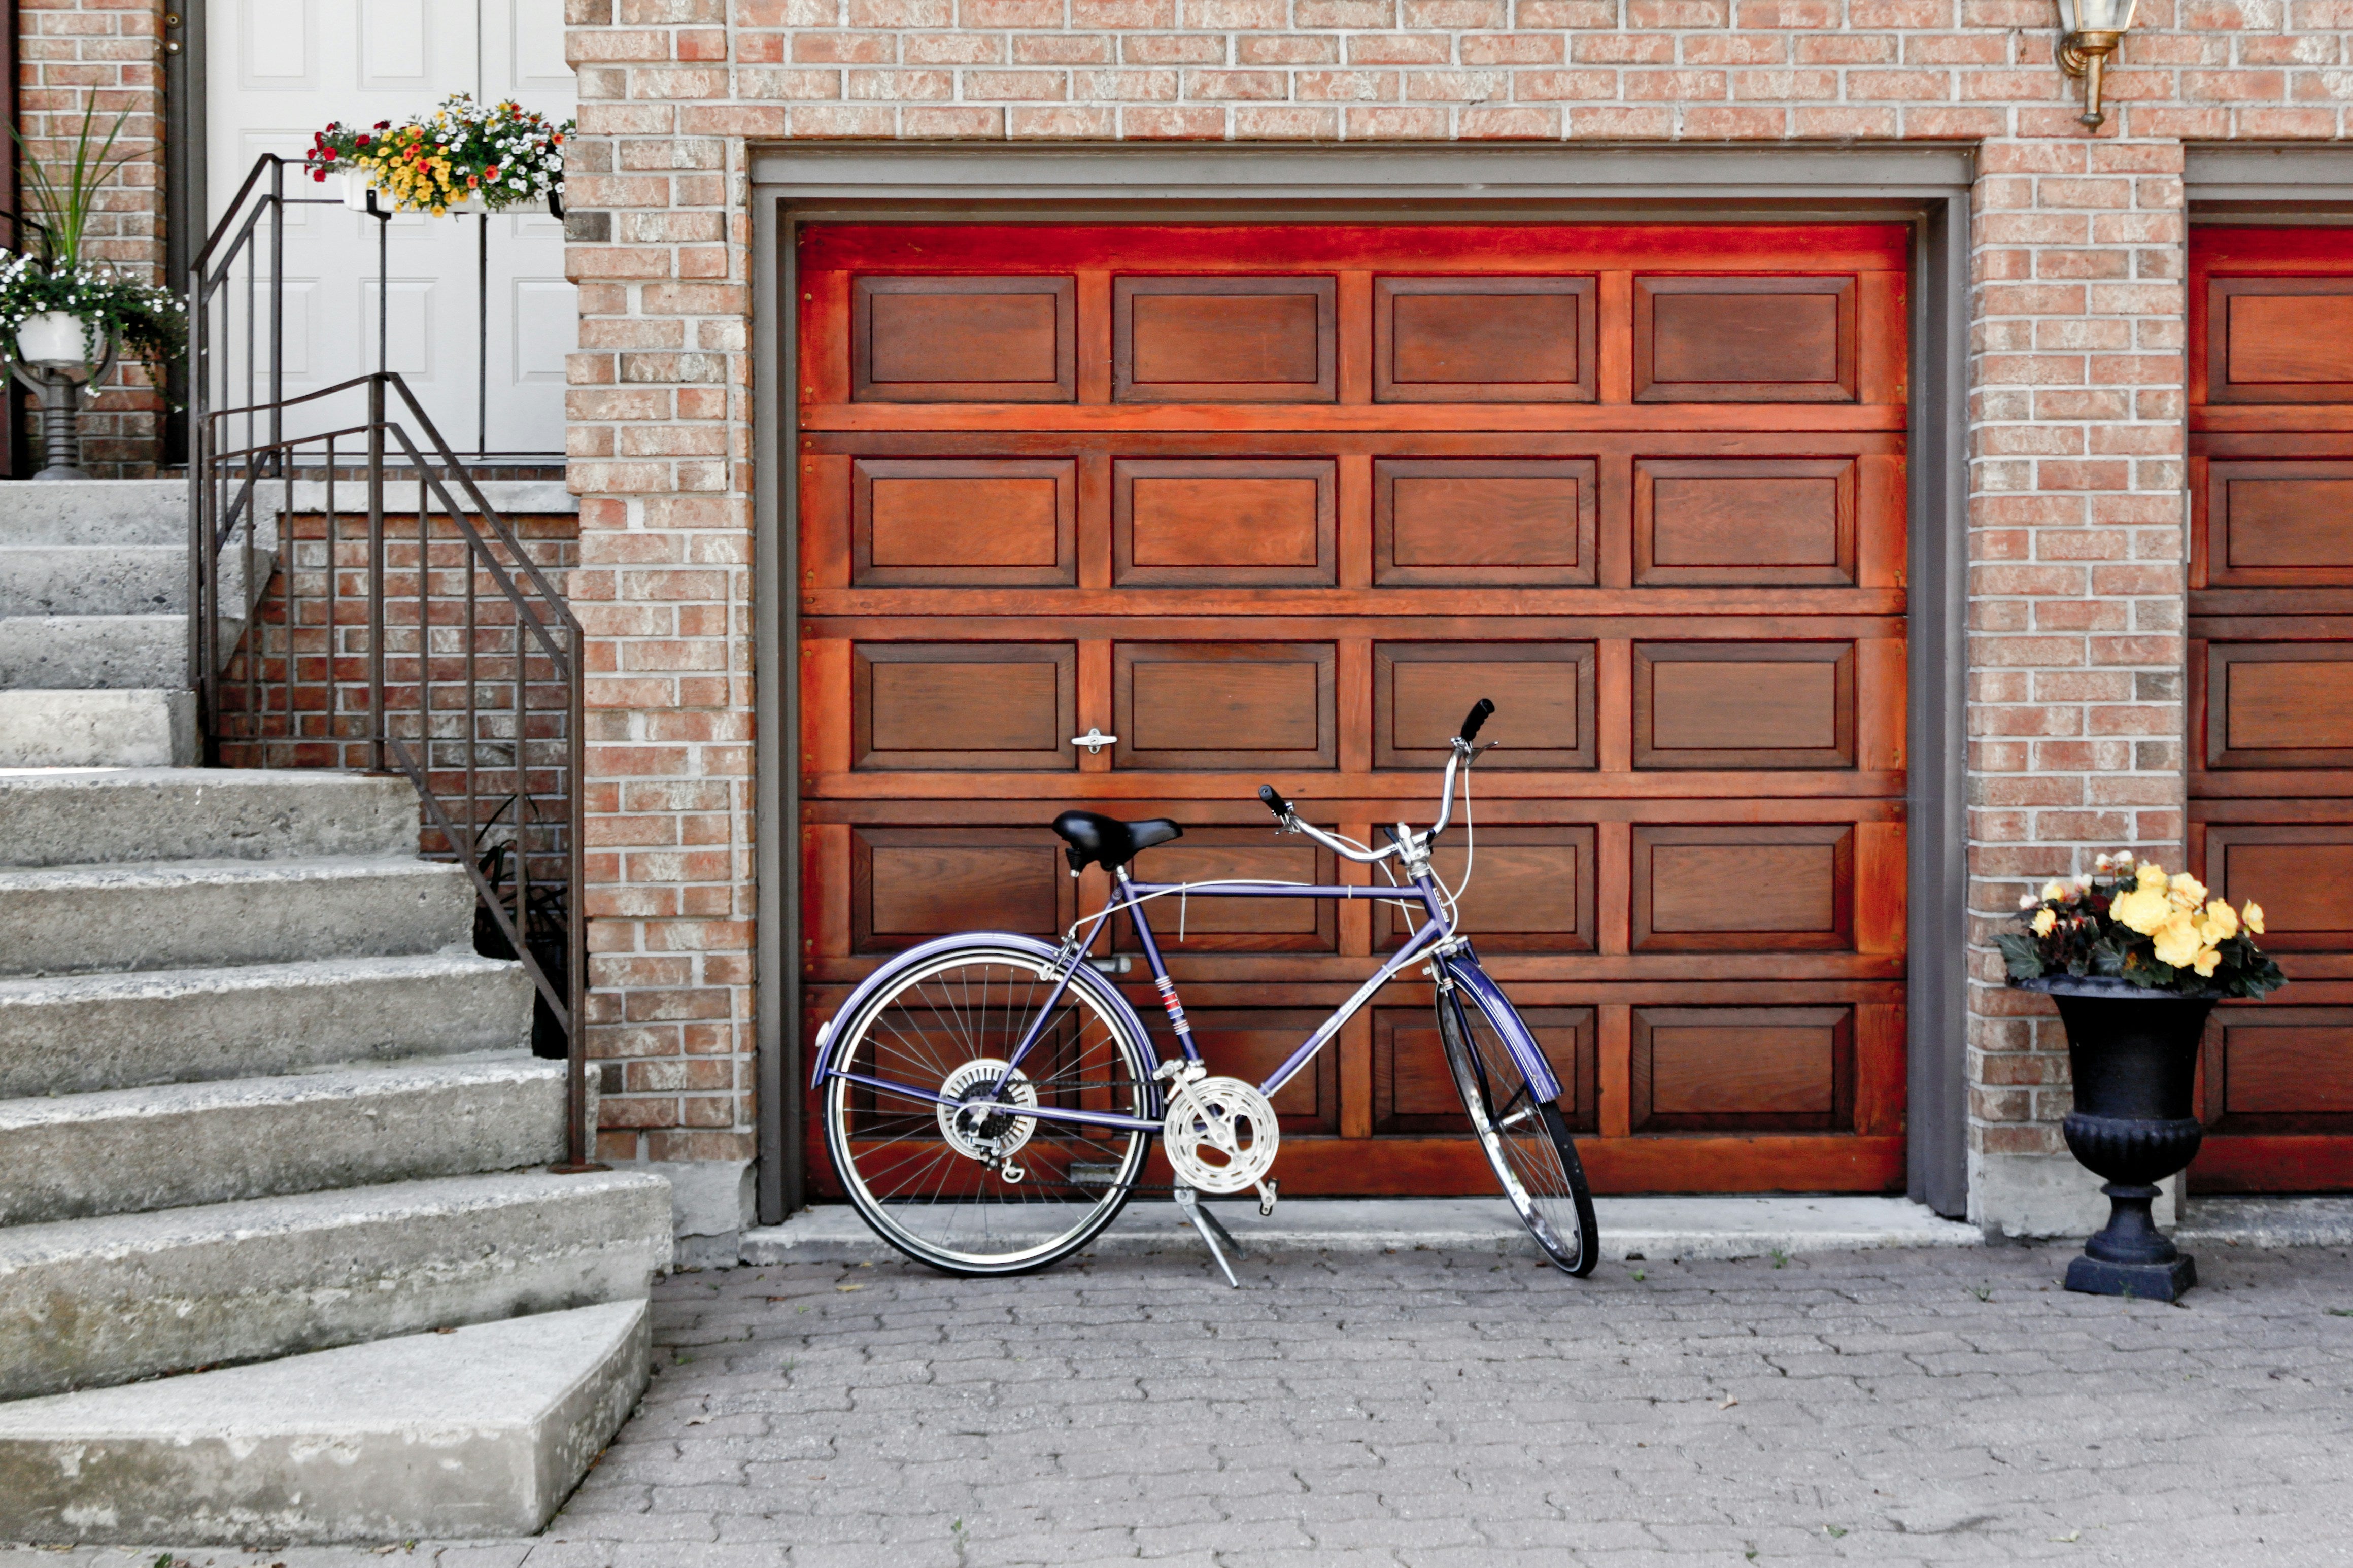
x=1212 y=1231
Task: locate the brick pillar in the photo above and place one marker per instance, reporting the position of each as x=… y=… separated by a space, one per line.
x=2078 y=567
x=71 y=54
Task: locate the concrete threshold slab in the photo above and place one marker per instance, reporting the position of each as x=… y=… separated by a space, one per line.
x=2265 y=1222
x=1655 y=1228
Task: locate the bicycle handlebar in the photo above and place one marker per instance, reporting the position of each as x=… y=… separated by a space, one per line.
x=1459 y=752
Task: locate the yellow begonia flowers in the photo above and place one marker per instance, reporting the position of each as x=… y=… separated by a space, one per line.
x=2189 y=892
x=2254 y=915
x=2151 y=877
x=2177 y=941
x=2221 y=922
x=2144 y=910
x=2207 y=959
x=2044 y=920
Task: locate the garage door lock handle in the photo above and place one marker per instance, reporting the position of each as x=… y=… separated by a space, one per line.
x=1094 y=740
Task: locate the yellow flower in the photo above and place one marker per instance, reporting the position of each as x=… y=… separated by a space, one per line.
x=2176 y=942
x=2151 y=877
x=2143 y=909
x=2221 y=921
x=2189 y=892
x=2044 y=920
x=2254 y=915
x=2206 y=960
x=2054 y=890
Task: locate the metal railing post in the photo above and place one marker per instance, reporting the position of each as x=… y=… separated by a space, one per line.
x=375 y=573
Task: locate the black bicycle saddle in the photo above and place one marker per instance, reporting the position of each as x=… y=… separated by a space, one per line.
x=1092 y=838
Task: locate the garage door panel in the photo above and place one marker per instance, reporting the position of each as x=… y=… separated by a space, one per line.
x=1210 y=924
x=1709 y=520
x=1744 y=705
x=2280 y=340
x=2279 y=705
x=964 y=340
x=1744 y=340
x=1544 y=695
x=964 y=707
x=1533 y=891
x=1484 y=340
x=1224 y=522
x=1495 y=521
x=1748 y=888
x=1224 y=340
x=1221 y=706
x=908 y=885
x=1310 y=491
x=2278 y=524
x=2302 y=875
x=1413 y=1089
x=1741 y=1068
x=1250 y=1043
x=950 y=523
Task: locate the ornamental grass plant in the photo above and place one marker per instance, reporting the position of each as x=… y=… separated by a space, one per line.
x=2131 y=922
x=504 y=156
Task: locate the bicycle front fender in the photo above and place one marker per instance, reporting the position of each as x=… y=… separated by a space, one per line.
x=1046 y=952
x=1463 y=967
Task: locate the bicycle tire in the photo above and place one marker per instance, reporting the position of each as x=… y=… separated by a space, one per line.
x=1527 y=1142
x=911 y=1179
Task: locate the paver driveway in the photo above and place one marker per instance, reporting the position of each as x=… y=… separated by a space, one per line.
x=1420 y=1408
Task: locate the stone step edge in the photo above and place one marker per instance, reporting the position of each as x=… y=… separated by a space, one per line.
x=372 y=1077
x=478 y=1432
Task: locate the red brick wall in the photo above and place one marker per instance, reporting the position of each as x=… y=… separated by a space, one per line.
x=2075 y=376
x=70 y=53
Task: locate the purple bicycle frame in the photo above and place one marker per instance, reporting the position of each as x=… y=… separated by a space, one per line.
x=1463 y=967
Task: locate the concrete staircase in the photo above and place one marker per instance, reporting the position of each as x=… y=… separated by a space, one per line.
x=271 y=1133
x=93 y=621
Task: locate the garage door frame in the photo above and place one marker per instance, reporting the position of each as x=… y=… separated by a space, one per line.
x=1926 y=186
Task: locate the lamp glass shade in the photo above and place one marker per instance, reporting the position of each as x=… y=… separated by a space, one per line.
x=52 y=340
x=2095 y=16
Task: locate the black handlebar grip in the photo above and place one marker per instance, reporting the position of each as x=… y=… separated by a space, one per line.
x=1275 y=802
x=1478 y=714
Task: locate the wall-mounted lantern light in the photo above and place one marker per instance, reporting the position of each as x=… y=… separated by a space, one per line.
x=2093 y=29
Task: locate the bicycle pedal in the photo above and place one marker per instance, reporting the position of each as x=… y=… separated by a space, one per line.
x=1266 y=1193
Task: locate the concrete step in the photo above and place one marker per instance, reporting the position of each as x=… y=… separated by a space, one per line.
x=93 y=579
x=92 y=817
x=96 y=511
x=474 y=1435
x=136 y=726
x=185 y=914
x=79 y=1034
x=93 y=1302
x=129 y=1150
x=80 y=652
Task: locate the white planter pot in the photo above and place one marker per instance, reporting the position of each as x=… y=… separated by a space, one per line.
x=53 y=339
x=355 y=196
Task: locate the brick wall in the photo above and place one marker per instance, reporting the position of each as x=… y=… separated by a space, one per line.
x=71 y=53
x=2075 y=377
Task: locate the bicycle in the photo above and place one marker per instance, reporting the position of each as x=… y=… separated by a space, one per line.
x=983 y=1128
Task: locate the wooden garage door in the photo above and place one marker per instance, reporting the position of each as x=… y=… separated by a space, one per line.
x=2271 y=687
x=1277 y=503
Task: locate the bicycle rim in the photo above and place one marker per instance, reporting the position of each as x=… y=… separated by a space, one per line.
x=1527 y=1139
x=941 y=1201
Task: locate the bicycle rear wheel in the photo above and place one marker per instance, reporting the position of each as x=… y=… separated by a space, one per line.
x=1527 y=1139
x=973 y=1187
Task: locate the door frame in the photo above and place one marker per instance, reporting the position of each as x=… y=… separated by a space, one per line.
x=1926 y=186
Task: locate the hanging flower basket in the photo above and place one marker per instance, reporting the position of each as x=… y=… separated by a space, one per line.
x=460 y=158
x=55 y=340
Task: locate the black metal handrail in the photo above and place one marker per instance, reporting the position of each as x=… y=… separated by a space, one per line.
x=474 y=691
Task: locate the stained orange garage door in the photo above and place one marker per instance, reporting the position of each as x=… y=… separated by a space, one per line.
x=1275 y=503
x=2270 y=679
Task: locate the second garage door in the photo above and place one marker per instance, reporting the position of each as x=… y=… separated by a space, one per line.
x=1274 y=504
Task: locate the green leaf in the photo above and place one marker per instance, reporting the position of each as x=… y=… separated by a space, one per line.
x=2020 y=953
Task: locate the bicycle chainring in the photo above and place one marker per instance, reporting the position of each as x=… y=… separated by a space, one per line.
x=980 y=1126
x=1220 y=1135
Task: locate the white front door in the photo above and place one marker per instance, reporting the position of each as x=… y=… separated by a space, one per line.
x=278 y=70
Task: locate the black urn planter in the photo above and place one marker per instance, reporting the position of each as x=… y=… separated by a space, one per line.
x=2135 y=1056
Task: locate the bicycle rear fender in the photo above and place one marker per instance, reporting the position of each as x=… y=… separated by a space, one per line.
x=1464 y=966
x=1046 y=952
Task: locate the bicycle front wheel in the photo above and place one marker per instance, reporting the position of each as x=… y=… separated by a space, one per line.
x=1527 y=1139
x=928 y=1136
